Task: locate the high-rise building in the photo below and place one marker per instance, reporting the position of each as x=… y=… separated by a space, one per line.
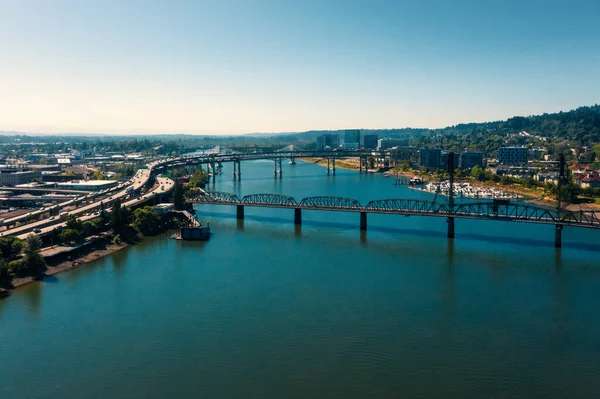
x=470 y=159
x=512 y=155
x=370 y=141
x=330 y=141
x=430 y=157
x=352 y=136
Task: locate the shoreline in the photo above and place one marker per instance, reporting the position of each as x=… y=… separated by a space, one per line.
x=346 y=164
x=68 y=264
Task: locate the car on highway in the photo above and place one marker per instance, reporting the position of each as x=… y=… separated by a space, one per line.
x=37 y=230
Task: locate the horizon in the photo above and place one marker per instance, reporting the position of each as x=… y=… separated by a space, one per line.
x=279 y=67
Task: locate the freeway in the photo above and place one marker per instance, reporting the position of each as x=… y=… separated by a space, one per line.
x=164 y=185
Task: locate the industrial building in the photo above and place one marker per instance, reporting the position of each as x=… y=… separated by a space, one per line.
x=14 y=176
x=88 y=185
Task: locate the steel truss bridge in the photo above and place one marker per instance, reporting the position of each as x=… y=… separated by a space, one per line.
x=215 y=158
x=490 y=210
x=500 y=210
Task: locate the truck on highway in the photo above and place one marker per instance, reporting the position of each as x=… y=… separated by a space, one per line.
x=63 y=215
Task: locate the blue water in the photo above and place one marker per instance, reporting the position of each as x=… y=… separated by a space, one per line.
x=267 y=309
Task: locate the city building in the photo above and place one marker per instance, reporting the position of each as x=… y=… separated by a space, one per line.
x=14 y=176
x=328 y=141
x=352 y=138
x=87 y=185
x=470 y=159
x=513 y=155
x=370 y=141
x=403 y=153
x=444 y=160
x=388 y=142
x=430 y=157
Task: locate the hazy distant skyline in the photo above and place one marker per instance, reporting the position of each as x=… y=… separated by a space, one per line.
x=227 y=67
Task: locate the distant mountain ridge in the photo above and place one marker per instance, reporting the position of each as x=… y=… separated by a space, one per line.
x=581 y=124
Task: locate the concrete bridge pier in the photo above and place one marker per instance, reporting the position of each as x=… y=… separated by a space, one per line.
x=450 y=222
x=363 y=220
x=558 y=236
x=237 y=170
x=328 y=169
x=297 y=216
x=277 y=168
x=333 y=166
x=240 y=212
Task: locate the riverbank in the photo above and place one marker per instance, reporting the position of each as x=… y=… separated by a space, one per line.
x=346 y=163
x=89 y=255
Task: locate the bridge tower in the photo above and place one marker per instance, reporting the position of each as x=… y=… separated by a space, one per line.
x=450 y=219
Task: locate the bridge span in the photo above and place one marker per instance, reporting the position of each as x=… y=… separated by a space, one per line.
x=213 y=159
x=499 y=210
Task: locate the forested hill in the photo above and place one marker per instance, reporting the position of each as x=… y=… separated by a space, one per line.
x=581 y=125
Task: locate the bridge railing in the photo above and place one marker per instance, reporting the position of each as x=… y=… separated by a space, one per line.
x=481 y=209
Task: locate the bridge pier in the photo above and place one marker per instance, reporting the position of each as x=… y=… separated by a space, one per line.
x=450 y=222
x=328 y=169
x=333 y=165
x=558 y=236
x=297 y=216
x=277 y=163
x=237 y=170
x=240 y=212
x=363 y=220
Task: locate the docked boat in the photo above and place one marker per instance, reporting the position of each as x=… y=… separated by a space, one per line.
x=416 y=181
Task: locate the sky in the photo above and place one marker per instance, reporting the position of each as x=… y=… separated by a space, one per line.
x=242 y=66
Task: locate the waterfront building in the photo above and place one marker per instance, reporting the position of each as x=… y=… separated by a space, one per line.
x=430 y=158
x=352 y=138
x=388 y=142
x=444 y=160
x=328 y=140
x=512 y=155
x=370 y=141
x=470 y=159
x=403 y=153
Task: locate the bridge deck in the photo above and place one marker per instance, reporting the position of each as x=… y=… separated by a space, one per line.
x=412 y=207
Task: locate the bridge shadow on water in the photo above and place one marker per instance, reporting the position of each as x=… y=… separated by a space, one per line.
x=521 y=241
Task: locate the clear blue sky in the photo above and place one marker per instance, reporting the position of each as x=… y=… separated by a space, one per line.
x=236 y=66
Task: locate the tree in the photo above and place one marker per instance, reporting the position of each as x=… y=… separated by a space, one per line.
x=10 y=247
x=371 y=162
x=478 y=173
x=178 y=198
x=144 y=219
x=98 y=176
x=116 y=216
x=5 y=274
x=34 y=261
x=43 y=161
x=72 y=223
x=70 y=236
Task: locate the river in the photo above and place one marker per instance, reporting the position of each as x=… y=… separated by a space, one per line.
x=269 y=310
